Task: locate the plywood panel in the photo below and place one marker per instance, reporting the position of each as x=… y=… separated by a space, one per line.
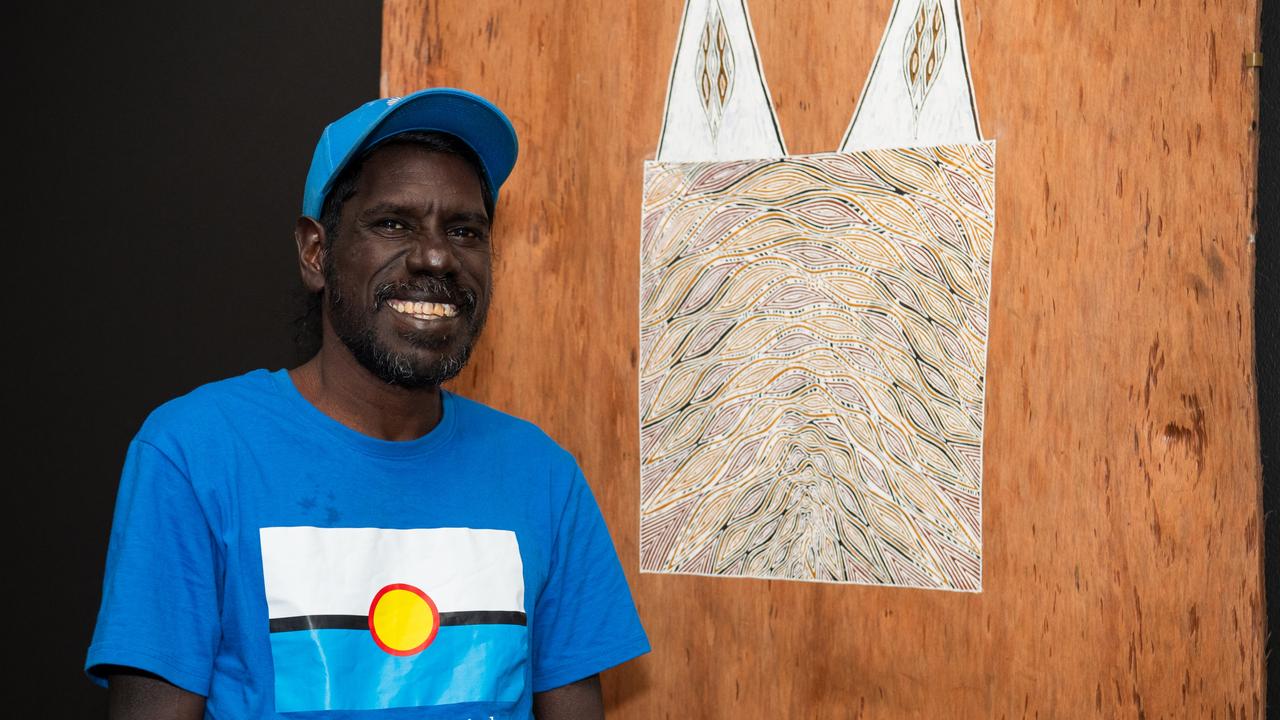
x=1122 y=479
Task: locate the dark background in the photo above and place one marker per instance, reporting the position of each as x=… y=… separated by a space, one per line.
x=161 y=161
x=1267 y=332
x=161 y=154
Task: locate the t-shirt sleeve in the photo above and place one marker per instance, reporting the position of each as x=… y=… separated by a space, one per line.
x=160 y=604
x=585 y=620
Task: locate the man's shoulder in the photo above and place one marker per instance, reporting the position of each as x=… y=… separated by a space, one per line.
x=492 y=425
x=207 y=406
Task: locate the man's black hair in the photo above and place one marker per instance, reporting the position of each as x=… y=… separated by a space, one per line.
x=307 y=327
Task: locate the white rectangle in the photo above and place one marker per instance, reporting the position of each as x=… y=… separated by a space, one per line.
x=337 y=571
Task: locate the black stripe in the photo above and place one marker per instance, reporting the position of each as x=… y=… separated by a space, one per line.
x=482 y=617
x=361 y=622
x=320 y=622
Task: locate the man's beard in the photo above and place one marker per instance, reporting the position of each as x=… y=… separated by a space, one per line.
x=407 y=370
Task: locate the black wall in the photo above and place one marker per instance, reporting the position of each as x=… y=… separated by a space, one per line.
x=1267 y=324
x=161 y=154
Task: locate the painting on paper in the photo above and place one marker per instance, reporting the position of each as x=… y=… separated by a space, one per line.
x=813 y=329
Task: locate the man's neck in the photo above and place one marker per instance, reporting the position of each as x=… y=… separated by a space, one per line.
x=340 y=387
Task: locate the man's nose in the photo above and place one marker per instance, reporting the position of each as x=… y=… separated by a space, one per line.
x=432 y=253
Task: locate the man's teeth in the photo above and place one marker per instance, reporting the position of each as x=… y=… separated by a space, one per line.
x=423 y=310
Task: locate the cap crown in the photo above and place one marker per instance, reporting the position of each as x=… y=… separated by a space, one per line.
x=472 y=119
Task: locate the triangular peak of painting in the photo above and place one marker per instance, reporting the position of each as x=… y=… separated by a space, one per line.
x=718 y=105
x=919 y=92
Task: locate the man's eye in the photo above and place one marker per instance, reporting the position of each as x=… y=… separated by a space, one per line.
x=467 y=232
x=390 y=224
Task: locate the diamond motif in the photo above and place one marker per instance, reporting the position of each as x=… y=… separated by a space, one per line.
x=714 y=66
x=922 y=53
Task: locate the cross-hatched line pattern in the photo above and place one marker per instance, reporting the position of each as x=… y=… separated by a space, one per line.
x=813 y=337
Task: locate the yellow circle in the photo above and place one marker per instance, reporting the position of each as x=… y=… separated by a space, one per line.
x=402 y=620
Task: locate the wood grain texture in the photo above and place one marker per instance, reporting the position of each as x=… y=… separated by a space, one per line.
x=1122 y=481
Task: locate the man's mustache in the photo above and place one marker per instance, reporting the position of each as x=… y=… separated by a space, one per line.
x=426 y=289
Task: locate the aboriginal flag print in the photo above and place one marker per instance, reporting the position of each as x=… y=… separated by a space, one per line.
x=370 y=618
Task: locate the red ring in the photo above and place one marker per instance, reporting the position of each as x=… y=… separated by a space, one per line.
x=435 y=619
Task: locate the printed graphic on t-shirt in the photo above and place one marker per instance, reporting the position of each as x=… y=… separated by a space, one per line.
x=370 y=618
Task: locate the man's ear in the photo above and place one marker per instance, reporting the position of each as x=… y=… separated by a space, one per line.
x=309 y=235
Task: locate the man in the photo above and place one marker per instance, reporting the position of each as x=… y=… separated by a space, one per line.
x=347 y=539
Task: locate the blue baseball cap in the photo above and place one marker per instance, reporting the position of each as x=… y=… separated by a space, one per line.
x=467 y=116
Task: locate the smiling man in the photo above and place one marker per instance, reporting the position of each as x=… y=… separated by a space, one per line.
x=347 y=539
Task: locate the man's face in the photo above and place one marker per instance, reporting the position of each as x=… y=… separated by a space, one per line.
x=408 y=277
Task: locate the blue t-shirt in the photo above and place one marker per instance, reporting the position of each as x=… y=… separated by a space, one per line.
x=274 y=560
